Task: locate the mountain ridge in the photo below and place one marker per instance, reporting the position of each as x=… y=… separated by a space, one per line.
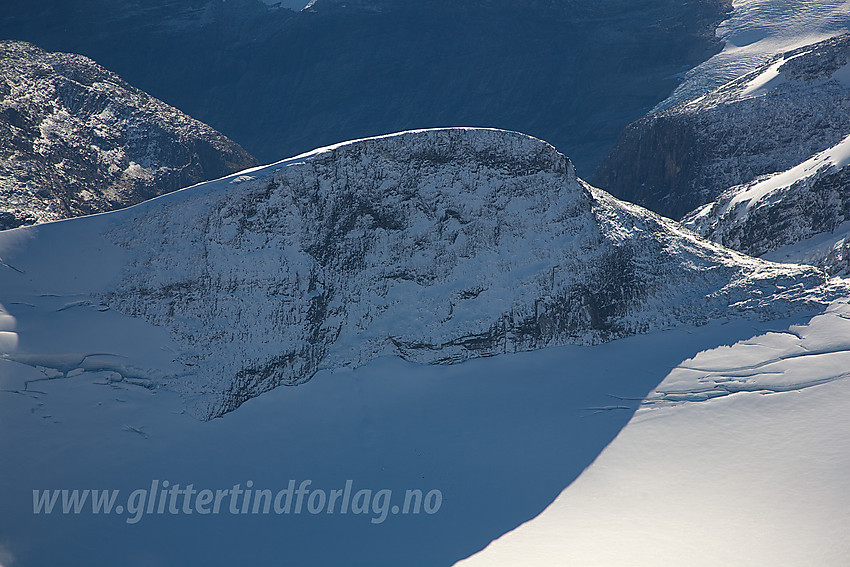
x=433 y=245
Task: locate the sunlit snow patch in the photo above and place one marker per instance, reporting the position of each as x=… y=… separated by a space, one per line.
x=756 y=31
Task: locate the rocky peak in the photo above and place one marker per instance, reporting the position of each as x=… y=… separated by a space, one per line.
x=75 y=140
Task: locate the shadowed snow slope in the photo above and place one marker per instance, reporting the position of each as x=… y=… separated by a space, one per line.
x=500 y=437
x=437 y=245
x=739 y=457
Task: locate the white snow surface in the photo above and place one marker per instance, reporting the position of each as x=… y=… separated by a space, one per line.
x=758 y=30
x=768 y=79
x=738 y=457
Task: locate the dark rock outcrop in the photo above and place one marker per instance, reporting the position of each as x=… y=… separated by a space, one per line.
x=681 y=158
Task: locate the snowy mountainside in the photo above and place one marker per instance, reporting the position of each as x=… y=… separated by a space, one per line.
x=758 y=30
x=801 y=215
x=764 y=122
x=435 y=245
x=75 y=139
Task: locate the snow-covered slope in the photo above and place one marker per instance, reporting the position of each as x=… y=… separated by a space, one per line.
x=739 y=457
x=764 y=122
x=436 y=245
x=75 y=139
x=500 y=437
x=800 y=215
x=755 y=32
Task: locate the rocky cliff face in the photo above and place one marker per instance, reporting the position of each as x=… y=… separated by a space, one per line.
x=765 y=122
x=799 y=215
x=75 y=140
x=436 y=245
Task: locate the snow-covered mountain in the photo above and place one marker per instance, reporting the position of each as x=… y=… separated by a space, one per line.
x=460 y=313
x=799 y=215
x=765 y=122
x=75 y=139
x=435 y=245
